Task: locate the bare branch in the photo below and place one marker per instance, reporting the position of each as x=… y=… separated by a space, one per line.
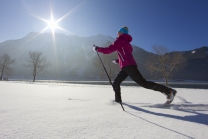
x=5 y=65
x=37 y=63
x=165 y=63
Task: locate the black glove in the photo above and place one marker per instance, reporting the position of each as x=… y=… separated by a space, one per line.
x=95 y=48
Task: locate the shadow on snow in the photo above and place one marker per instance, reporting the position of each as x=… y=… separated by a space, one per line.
x=199 y=118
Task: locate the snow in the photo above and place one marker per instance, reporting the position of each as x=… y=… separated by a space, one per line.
x=49 y=110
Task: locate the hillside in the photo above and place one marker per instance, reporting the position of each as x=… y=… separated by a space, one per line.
x=72 y=57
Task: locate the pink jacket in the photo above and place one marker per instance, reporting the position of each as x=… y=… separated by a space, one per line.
x=124 y=50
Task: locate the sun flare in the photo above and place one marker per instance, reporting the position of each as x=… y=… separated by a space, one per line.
x=52 y=24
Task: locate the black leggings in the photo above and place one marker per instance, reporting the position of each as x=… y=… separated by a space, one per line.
x=135 y=75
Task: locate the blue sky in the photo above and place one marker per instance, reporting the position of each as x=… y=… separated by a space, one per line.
x=179 y=25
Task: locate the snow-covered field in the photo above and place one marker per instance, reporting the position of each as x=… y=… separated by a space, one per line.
x=68 y=111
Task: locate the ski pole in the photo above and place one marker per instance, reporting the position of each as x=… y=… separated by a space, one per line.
x=108 y=77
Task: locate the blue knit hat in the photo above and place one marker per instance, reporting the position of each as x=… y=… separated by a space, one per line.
x=124 y=30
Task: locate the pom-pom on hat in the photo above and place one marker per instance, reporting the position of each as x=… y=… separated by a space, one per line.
x=124 y=30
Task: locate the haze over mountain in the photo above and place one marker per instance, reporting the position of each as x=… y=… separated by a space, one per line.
x=71 y=57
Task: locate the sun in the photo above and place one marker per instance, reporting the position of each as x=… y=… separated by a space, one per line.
x=52 y=24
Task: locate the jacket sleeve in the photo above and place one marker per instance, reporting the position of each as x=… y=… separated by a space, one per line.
x=113 y=47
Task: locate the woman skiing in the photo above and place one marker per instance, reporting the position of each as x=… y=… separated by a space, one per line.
x=129 y=67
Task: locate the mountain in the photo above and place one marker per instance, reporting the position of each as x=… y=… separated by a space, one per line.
x=71 y=57
x=196 y=67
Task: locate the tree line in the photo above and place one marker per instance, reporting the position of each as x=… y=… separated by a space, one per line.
x=161 y=64
x=35 y=61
